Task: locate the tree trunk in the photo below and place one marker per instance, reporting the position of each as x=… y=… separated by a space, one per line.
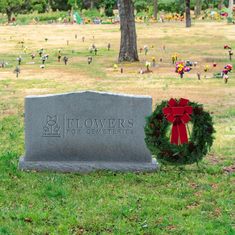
x=49 y=9
x=92 y=4
x=198 y=7
x=128 y=47
x=187 y=11
x=9 y=14
x=71 y=14
x=230 y=5
x=155 y=9
x=220 y=5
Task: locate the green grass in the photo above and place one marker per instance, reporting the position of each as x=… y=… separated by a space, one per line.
x=175 y=200
x=188 y=200
x=23 y=19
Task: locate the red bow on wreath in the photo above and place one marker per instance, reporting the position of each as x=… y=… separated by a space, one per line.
x=178 y=113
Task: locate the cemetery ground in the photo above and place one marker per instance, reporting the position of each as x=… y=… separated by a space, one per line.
x=176 y=200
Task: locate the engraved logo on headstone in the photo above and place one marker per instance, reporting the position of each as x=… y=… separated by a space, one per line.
x=52 y=128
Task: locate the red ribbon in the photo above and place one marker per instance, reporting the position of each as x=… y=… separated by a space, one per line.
x=178 y=113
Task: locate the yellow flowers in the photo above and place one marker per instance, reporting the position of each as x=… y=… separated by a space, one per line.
x=206 y=68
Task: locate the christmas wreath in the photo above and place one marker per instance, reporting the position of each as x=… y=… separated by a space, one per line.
x=191 y=133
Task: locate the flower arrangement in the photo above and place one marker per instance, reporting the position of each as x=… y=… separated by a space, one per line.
x=180 y=68
x=227 y=69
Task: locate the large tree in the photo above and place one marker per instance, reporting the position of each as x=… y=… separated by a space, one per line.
x=187 y=12
x=10 y=6
x=128 y=46
x=155 y=6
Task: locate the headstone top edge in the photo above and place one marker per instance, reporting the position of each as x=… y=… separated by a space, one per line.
x=87 y=93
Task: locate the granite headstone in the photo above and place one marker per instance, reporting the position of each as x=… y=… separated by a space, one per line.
x=86 y=131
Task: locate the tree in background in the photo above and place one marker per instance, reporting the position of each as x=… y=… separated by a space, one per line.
x=128 y=46
x=109 y=5
x=170 y=5
x=38 y=5
x=143 y=7
x=198 y=7
x=140 y=5
x=90 y=4
x=230 y=5
x=75 y=4
x=155 y=7
x=60 y=5
x=188 y=14
x=214 y=4
x=10 y=7
x=220 y=4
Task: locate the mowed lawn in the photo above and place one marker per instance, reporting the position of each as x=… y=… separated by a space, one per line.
x=186 y=200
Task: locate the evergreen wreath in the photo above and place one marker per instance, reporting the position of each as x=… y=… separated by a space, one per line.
x=188 y=151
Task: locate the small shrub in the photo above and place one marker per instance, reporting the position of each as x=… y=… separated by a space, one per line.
x=92 y=13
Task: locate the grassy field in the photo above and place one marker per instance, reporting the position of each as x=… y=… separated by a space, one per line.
x=187 y=200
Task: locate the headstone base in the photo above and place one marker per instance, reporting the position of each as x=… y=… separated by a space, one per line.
x=74 y=166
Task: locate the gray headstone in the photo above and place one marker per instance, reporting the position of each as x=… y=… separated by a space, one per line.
x=86 y=131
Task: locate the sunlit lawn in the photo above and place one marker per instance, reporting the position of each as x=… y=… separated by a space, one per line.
x=188 y=200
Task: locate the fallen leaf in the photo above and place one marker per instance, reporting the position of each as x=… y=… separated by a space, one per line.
x=194 y=185
x=28 y=220
x=217 y=212
x=229 y=169
x=215 y=186
x=171 y=227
